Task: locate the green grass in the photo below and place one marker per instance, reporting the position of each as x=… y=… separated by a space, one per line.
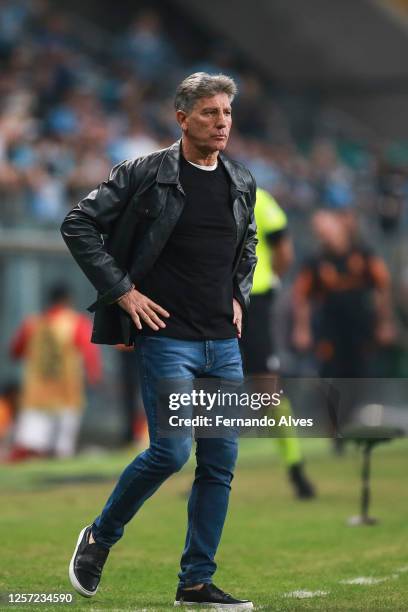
x=271 y=544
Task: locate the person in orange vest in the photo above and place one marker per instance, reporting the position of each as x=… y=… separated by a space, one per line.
x=343 y=313
x=58 y=354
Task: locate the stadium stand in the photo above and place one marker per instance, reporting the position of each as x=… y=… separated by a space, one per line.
x=78 y=94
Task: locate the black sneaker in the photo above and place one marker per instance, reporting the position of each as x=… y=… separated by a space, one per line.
x=303 y=487
x=86 y=565
x=209 y=595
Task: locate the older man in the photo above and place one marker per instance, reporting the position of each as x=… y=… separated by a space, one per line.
x=173 y=275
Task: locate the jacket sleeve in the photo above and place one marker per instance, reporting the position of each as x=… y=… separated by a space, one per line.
x=84 y=225
x=246 y=267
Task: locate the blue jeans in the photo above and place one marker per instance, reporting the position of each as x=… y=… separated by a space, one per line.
x=161 y=358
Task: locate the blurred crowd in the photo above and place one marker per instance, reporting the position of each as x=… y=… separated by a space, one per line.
x=70 y=110
x=75 y=100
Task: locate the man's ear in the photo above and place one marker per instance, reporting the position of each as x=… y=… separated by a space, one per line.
x=181 y=117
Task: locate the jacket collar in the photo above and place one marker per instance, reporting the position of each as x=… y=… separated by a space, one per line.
x=170 y=167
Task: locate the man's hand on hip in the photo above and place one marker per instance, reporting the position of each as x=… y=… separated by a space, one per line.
x=237 y=320
x=141 y=308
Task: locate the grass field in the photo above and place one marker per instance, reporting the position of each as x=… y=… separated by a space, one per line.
x=272 y=545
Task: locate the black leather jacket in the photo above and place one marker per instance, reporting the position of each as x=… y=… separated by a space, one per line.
x=117 y=232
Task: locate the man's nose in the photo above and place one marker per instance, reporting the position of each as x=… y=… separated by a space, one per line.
x=221 y=121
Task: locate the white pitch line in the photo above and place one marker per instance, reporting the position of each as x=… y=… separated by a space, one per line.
x=369 y=580
x=364 y=580
x=360 y=580
x=306 y=594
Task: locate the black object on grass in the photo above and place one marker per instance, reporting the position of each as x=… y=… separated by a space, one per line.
x=367 y=437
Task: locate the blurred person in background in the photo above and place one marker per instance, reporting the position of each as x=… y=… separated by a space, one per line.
x=173 y=279
x=275 y=255
x=392 y=196
x=135 y=430
x=333 y=180
x=55 y=346
x=342 y=302
x=147 y=48
x=9 y=403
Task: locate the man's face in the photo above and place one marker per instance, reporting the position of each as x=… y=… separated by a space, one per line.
x=207 y=125
x=331 y=231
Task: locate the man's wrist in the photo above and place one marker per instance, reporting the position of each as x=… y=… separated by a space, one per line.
x=123 y=295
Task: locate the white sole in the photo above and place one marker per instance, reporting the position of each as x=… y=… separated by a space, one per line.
x=243 y=606
x=73 y=579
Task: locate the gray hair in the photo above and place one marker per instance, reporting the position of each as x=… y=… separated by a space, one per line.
x=202 y=85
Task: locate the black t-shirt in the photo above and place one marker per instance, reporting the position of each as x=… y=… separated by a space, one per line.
x=192 y=278
x=342 y=286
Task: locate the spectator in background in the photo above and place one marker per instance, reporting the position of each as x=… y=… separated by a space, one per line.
x=137 y=142
x=146 y=45
x=57 y=350
x=248 y=118
x=12 y=20
x=334 y=181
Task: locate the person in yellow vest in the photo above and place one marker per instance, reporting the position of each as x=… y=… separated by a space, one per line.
x=275 y=255
x=56 y=347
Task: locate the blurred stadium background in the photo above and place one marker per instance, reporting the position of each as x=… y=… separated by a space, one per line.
x=321 y=121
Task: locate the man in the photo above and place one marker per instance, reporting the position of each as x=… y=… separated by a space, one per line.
x=174 y=276
x=56 y=347
x=350 y=286
x=342 y=305
x=275 y=255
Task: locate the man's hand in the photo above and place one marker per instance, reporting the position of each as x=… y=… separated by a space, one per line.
x=302 y=338
x=385 y=333
x=237 y=320
x=141 y=308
